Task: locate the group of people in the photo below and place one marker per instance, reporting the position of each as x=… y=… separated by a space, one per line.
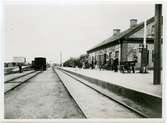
x=113 y=64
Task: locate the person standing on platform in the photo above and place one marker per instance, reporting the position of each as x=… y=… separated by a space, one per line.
x=135 y=61
x=20 y=68
x=115 y=64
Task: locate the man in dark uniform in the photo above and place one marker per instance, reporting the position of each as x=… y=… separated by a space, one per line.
x=115 y=64
x=135 y=61
x=20 y=68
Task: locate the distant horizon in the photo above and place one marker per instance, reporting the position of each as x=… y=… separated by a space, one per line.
x=35 y=30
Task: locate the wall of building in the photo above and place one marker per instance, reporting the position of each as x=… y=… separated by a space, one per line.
x=133 y=49
x=124 y=51
x=134 y=46
x=113 y=49
x=110 y=53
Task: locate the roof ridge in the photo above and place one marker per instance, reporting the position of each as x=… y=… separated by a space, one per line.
x=122 y=34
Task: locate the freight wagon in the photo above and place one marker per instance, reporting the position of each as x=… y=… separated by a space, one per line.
x=39 y=63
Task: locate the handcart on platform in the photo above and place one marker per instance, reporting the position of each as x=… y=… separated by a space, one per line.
x=127 y=66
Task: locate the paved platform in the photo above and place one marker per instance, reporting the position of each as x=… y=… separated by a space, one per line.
x=134 y=81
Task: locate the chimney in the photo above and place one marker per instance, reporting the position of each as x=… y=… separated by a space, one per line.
x=133 y=22
x=116 y=31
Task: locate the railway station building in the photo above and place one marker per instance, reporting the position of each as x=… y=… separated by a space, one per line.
x=125 y=45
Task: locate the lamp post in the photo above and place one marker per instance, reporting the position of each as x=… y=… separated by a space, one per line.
x=144 y=51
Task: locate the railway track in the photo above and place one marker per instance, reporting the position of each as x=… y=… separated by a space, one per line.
x=61 y=74
x=15 y=82
x=80 y=110
x=8 y=80
x=42 y=97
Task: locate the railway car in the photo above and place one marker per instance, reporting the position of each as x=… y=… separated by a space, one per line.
x=40 y=63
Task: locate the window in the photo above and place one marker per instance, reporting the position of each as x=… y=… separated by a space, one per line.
x=116 y=54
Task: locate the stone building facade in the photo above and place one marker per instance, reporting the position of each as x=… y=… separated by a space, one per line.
x=124 y=45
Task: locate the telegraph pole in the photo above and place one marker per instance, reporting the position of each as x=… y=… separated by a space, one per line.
x=157 y=44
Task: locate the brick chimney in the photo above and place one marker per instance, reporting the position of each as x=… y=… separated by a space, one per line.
x=133 y=22
x=116 y=31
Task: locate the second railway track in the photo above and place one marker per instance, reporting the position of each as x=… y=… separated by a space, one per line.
x=17 y=81
x=93 y=103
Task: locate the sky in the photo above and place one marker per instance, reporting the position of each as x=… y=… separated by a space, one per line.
x=45 y=29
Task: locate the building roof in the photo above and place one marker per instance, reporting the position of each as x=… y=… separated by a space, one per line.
x=123 y=34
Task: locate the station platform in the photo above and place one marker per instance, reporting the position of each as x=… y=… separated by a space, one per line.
x=134 y=81
x=133 y=89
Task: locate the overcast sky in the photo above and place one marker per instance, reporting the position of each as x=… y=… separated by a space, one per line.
x=45 y=29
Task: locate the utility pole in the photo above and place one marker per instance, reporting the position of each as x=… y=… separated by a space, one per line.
x=157 y=44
